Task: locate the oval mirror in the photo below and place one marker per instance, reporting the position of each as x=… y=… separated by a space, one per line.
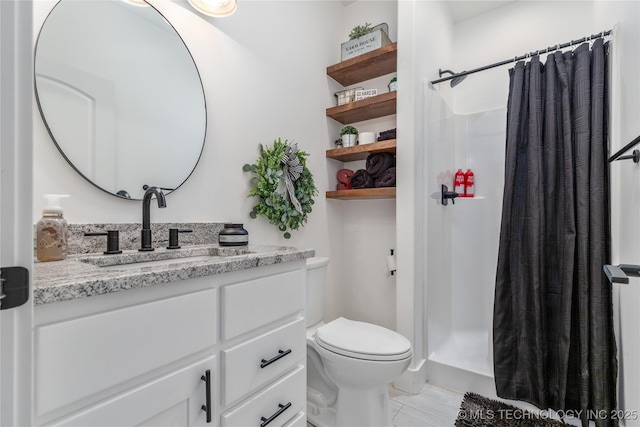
x=120 y=95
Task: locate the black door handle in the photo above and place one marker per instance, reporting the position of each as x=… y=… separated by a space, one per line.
x=14 y=287
x=207 y=406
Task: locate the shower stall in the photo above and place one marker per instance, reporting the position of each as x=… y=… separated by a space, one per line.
x=445 y=292
x=461 y=243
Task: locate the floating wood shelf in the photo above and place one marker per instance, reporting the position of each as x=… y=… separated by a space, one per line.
x=361 y=152
x=367 y=66
x=363 y=193
x=363 y=67
x=365 y=109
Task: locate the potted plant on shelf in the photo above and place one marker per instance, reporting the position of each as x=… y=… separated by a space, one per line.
x=360 y=30
x=349 y=135
x=393 y=84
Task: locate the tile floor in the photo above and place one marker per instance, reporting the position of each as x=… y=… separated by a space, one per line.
x=433 y=407
x=436 y=407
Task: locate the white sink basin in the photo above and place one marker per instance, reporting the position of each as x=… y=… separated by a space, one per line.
x=158 y=262
x=138 y=260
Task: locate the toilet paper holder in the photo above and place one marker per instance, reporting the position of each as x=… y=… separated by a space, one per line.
x=391 y=263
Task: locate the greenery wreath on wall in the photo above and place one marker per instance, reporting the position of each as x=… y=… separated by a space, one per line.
x=284 y=186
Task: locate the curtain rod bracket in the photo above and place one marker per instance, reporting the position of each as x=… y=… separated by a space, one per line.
x=635 y=156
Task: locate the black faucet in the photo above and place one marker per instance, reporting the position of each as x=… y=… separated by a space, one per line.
x=146 y=216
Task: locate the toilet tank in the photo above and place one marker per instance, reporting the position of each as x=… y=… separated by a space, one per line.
x=316 y=277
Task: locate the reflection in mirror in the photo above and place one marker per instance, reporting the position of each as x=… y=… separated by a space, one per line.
x=120 y=95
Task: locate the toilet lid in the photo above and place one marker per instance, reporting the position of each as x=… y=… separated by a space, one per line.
x=362 y=340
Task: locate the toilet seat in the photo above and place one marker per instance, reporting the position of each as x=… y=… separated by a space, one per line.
x=362 y=340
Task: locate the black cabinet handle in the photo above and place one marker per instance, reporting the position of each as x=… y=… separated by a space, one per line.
x=282 y=407
x=207 y=407
x=280 y=355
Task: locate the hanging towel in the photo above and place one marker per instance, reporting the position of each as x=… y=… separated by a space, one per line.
x=361 y=179
x=387 y=179
x=377 y=163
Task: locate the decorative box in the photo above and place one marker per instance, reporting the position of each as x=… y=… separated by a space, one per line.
x=377 y=38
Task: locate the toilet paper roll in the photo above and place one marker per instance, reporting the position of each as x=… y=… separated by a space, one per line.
x=391 y=263
x=366 y=137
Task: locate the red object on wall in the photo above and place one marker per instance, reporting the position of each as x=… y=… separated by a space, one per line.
x=458 y=183
x=344 y=179
x=469 y=184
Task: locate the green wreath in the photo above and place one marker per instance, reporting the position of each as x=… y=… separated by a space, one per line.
x=283 y=185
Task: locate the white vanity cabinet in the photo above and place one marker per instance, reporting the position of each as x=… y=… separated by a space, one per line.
x=273 y=357
x=140 y=357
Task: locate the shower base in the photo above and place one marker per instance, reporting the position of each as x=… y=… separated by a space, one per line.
x=462 y=363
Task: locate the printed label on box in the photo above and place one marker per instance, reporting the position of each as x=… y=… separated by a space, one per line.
x=365 y=93
x=366 y=43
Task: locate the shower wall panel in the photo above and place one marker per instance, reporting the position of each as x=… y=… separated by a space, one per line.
x=438 y=160
x=462 y=241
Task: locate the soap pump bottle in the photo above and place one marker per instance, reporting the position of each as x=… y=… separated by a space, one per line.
x=51 y=230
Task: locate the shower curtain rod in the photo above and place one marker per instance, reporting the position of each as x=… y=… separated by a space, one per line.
x=525 y=56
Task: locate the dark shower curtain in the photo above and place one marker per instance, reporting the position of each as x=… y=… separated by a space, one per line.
x=553 y=338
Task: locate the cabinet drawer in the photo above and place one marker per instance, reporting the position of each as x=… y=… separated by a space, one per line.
x=246 y=365
x=78 y=358
x=286 y=397
x=248 y=305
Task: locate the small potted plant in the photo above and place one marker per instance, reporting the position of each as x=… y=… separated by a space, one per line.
x=349 y=135
x=360 y=30
x=393 y=84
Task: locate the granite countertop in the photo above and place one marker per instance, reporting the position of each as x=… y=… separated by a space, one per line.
x=84 y=275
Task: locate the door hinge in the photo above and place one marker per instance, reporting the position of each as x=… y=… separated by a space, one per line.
x=14 y=287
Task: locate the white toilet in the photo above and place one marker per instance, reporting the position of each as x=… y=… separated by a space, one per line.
x=349 y=363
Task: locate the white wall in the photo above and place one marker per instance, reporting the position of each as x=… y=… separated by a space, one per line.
x=264 y=74
x=509 y=31
x=369 y=226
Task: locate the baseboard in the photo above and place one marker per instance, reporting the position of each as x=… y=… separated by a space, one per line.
x=413 y=379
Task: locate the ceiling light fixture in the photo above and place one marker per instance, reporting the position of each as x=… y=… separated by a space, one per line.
x=215 y=8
